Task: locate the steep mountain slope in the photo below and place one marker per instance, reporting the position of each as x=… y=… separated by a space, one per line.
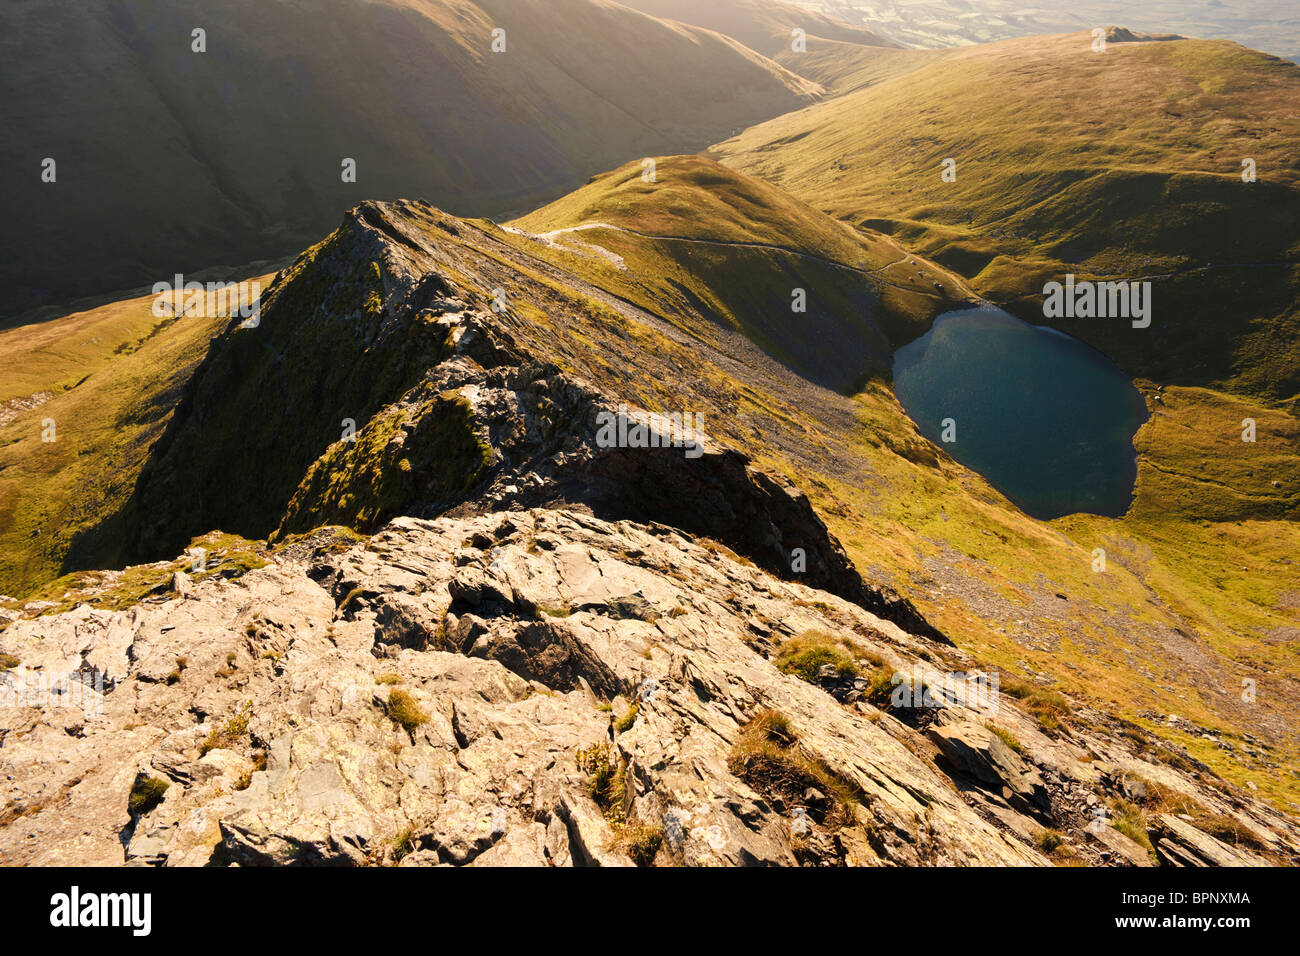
x=1198 y=591
x=236 y=153
x=1099 y=164
x=674 y=656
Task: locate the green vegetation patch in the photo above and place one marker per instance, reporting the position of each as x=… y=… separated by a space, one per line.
x=607 y=784
x=769 y=758
x=403 y=710
x=428 y=453
x=806 y=654
x=146 y=793
x=229 y=734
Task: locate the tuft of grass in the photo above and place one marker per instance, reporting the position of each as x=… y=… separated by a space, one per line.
x=8 y=662
x=404 y=842
x=245 y=779
x=607 y=784
x=225 y=737
x=880 y=687
x=640 y=841
x=1129 y=820
x=1046 y=706
x=604 y=781
x=1154 y=798
x=768 y=757
x=146 y=793
x=624 y=723
x=403 y=710
x=1006 y=737
x=807 y=653
x=1049 y=841
x=390 y=678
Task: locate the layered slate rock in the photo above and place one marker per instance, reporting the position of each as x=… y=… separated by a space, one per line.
x=532 y=687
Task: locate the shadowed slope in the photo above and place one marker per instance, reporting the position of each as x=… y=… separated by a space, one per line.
x=235 y=154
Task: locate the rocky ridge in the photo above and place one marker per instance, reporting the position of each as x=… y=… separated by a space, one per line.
x=535 y=647
x=542 y=687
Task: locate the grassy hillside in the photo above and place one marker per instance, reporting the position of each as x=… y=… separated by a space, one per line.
x=235 y=155
x=1124 y=164
x=109 y=380
x=703 y=244
x=842 y=67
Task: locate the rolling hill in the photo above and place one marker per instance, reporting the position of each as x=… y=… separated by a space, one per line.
x=1268 y=25
x=705 y=247
x=235 y=154
x=1099 y=164
x=835 y=53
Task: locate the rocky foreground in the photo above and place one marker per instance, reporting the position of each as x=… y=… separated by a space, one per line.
x=541 y=687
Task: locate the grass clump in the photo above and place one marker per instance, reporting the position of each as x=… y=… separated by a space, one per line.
x=1128 y=819
x=1046 y=706
x=245 y=779
x=607 y=784
x=1049 y=841
x=8 y=662
x=1053 y=846
x=402 y=710
x=225 y=737
x=1155 y=798
x=769 y=758
x=806 y=654
x=624 y=723
x=404 y=842
x=146 y=793
x=640 y=841
x=1006 y=738
x=880 y=687
x=604 y=781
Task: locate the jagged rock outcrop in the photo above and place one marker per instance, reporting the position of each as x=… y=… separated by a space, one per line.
x=399 y=389
x=536 y=687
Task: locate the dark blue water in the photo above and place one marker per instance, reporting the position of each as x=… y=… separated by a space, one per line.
x=1046 y=419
